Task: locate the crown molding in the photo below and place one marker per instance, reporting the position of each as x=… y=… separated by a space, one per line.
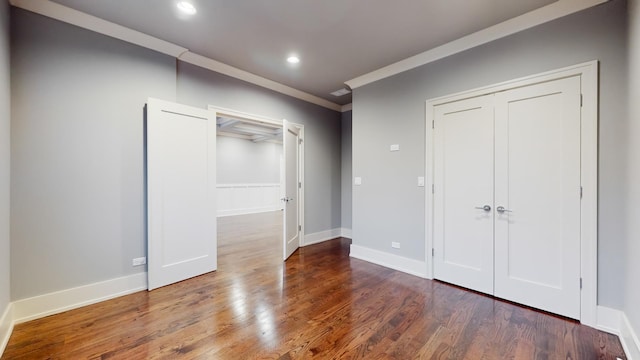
x=213 y=65
x=533 y=18
x=347 y=107
x=90 y=22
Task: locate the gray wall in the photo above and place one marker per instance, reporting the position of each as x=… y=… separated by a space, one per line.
x=240 y=161
x=346 y=169
x=390 y=207
x=632 y=298
x=77 y=187
x=5 y=120
x=77 y=207
x=199 y=87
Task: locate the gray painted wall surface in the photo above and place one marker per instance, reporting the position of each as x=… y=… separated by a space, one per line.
x=77 y=187
x=5 y=167
x=390 y=207
x=346 y=169
x=77 y=207
x=241 y=161
x=199 y=87
x=632 y=284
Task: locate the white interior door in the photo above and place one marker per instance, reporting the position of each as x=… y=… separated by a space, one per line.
x=537 y=178
x=291 y=149
x=463 y=200
x=181 y=192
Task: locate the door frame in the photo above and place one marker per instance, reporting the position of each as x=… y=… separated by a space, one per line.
x=588 y=73
x=263 y=119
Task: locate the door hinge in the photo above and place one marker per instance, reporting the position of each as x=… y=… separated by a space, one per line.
x=299 y=185
x=580 y=100
x=299 y=141
x=299 y=227
x=580 y=192
x=581 y=283
x=433 y=124
x=433 y=252
x=433 y=188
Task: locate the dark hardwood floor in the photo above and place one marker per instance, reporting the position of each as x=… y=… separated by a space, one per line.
x=319 y=304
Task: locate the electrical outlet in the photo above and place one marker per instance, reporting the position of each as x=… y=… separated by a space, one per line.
x=394 y=147
x=395 y=245
x=139 y=261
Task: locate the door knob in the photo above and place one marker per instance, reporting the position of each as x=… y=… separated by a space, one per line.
x=485 y=208
x=501 y=209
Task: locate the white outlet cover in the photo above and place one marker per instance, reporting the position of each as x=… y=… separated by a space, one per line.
x=357 y=180
x=394 y=147
x=395 y=245
x=421 y=181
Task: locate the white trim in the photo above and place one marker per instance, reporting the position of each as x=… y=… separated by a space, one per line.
x=248 y=211
x=396 y=262
x=531 y=19
x=89 y=22
x=616 y=322
x=608 y=320
x=6 y=327
x=245 y=199
x=347 y=107
x=321 y=236
x=213 y=65
x=589 y=172
x=346 y=233
x=629 y=339
x=56 y=302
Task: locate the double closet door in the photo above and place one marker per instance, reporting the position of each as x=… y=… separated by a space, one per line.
x=507 y=195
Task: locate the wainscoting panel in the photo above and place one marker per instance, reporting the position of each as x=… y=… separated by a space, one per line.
x=238 y=199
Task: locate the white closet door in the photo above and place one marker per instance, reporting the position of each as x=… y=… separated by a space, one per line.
x=181 y=193
x=537 y=181
x=291 y=149
x=463 y=159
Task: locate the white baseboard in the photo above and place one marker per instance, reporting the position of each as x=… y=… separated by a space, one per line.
x=608 y=319
x=6 y=327
x=314 y=238
x=233 y=212
x=345 y=232
x=615 y=322
x=56 y=302
x=396 y=262
x=629 y=339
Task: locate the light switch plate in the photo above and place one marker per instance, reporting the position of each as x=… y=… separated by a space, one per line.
x=357 y=180
x=421 y=181
x=394 y=147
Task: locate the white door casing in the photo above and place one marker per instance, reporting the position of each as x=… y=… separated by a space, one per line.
x=181 y=192
x=537 y=179
x=291 y=199
x=463 y=160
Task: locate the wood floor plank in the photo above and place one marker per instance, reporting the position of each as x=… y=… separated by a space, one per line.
x=320 y=304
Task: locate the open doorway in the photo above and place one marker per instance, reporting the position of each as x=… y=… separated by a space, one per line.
x=258 y=198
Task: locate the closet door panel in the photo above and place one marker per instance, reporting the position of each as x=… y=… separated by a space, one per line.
x=537 y=182
x=463 y=159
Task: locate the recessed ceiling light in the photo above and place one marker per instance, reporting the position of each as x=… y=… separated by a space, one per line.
x=343 y=91
x=293 y=59
x=187 y=7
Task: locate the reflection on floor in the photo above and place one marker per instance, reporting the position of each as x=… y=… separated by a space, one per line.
x=319 y=304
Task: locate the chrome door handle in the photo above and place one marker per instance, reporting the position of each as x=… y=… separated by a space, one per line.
x=485 y=208
x=501 y=209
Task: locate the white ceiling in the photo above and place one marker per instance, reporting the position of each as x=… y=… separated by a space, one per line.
x=337 y=40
